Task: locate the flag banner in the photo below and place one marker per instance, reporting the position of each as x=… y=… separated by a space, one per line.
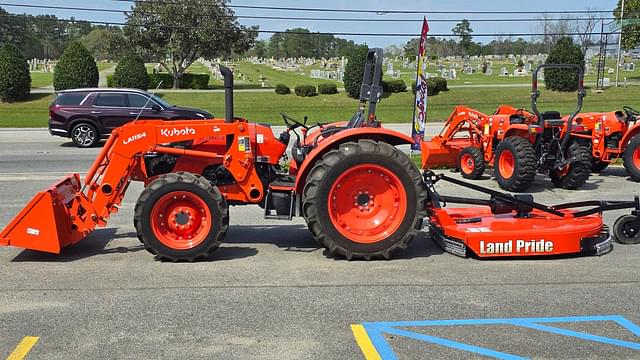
x=420 y=109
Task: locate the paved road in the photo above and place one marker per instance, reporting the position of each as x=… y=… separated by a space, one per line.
x=272 y=293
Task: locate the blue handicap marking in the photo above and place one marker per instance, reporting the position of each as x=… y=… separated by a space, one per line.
x=376 y=331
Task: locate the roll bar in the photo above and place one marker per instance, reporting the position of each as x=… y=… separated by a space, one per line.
x=535 y=94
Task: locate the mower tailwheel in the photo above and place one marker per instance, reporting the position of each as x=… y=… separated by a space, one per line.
x=364 y=200
x=626 y=230
x=515 y=164
x=632 y=158
x=181 y=216
x=576 y=173
x=471 y=163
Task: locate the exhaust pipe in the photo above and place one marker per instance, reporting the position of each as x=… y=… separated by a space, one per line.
x=228 y=93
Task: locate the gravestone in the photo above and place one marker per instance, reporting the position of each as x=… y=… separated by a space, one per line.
x=452 y=74
x=504 y=72
x=489 y=71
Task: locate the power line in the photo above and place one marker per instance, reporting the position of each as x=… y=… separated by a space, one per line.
x=383 y=12
x=52 y=7
x=291 y=32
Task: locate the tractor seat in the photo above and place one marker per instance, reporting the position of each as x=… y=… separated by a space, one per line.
x=356 y=121
x=552 y=118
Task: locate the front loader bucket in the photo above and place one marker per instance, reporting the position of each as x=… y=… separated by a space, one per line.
x=436 y=153
x=50 y=221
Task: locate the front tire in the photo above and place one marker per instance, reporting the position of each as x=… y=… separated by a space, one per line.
x=515 y=164
x=471 y=163
x=364 y=200
x=84 y=135
x=181 y=216
x=632 y=158
x=577 y=172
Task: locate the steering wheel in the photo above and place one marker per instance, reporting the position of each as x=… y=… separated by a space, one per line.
x=292 y=123
x=631 y=113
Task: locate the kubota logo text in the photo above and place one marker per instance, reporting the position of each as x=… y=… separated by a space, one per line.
x=177 y=132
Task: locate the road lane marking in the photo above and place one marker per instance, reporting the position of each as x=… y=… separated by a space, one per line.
x=23 y=348
x=362 y=338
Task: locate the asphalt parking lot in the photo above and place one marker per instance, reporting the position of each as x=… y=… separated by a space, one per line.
x=271 y=293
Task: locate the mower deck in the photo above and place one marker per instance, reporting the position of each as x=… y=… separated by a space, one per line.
x=485 y=234
x=515 y=225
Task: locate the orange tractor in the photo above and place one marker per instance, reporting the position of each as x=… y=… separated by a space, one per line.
x=613 y=135
x=361 y=197
x=517 y=143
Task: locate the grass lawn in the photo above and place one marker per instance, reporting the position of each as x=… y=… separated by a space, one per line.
x=41 y=79
x=266 y=107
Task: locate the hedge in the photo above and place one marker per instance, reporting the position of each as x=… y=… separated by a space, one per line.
x=432 y=87
x=306 y=90
x=282 y=89
x=15 y=78
x=131 y=73
x=394 y=86
x=76 y=68
x=327 y=88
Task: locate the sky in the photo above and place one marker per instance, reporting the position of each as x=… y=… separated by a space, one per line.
x=358 y=27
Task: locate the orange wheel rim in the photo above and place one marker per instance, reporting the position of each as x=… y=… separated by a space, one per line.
x=367 y=203
x=506 y=164
x=636 y=158
x=180 y=220
x=467 y=164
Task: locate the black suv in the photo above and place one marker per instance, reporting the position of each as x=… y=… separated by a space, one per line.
x=87 y=115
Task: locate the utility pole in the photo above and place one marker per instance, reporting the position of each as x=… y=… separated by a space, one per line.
x=620 y=44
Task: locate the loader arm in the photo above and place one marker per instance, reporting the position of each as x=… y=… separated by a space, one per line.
x=68 y=211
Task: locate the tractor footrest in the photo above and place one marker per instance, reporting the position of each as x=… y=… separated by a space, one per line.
x=448 y=244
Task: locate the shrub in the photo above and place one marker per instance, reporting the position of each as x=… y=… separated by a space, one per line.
x=194 y=81
x=327 y=88
x=394 y=86
x=154 y=81
x=110 y=82
x=76 y=68
x=354 y=71
x=306 y=90
x=187 y=81
x=441 y=83
x=130 y=73
x=432 y=87
x=15 y=79
x=282 y=89
x=564 y=52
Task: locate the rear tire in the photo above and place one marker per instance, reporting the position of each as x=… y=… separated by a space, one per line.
x=471 y=163
x=364 y=200
x=626 y=230
x=579 y=170
x=632 y=158
x=515 y=164
x=181 y=216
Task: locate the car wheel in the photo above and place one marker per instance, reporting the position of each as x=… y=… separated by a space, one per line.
x=84 y=135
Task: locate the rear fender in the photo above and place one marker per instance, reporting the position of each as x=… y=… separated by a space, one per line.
x=379 y=134
x=521 y=130
x=633 y=131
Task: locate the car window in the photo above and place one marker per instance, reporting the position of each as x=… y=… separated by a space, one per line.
x=72 y=99
x=113 y=100
x=138 y=101
x=161 y=101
